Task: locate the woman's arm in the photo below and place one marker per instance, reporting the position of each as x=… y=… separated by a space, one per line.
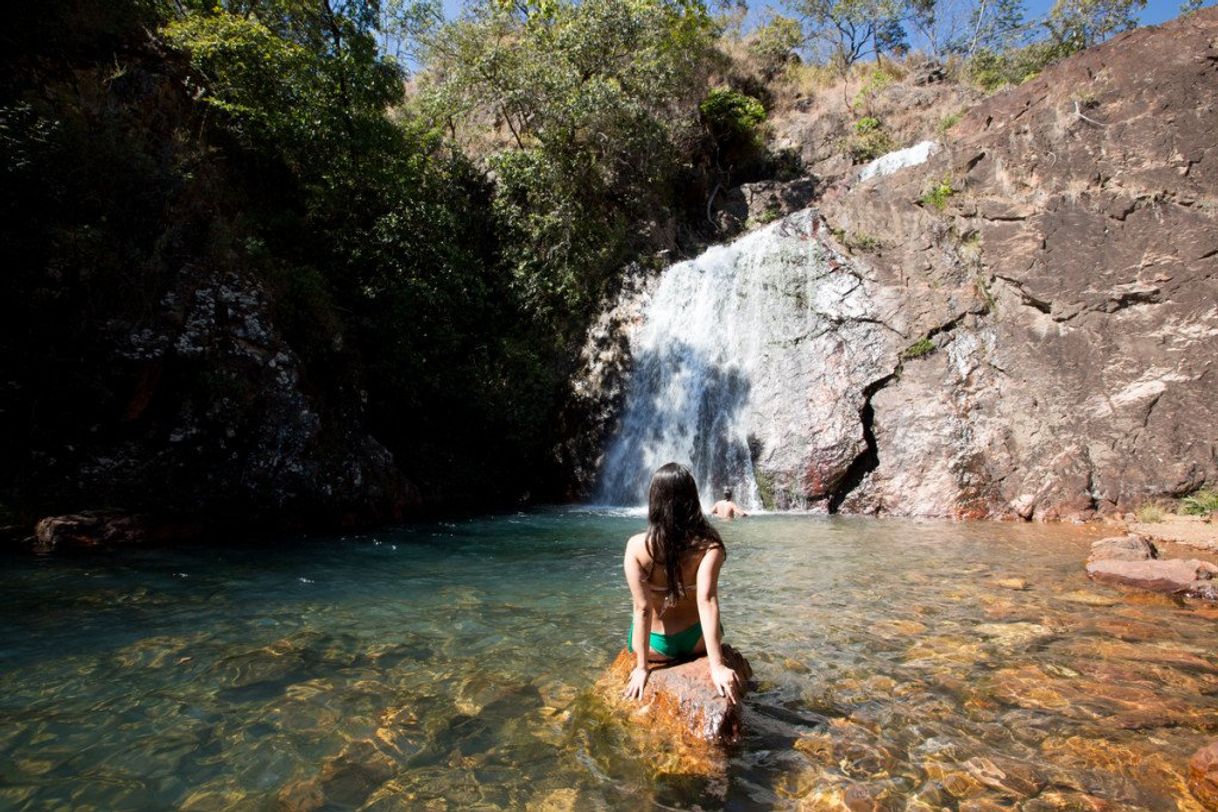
x=640 y=639
x=726 y=681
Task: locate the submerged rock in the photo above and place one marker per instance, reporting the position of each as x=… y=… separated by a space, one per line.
x=1203 y=775
x=1131 y=547
x=1190 y=577
x=679 y=701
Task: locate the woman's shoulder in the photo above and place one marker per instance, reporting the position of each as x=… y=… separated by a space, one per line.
x=637 y=542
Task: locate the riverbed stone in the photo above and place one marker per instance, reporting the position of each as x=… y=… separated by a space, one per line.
x=1130 y=547
x=1172 y=575
x=680 y=699
x=1203 y=775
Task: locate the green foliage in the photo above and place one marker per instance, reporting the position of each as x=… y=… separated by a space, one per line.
x=938 y=194
x=1202 y=503
x=877 y=79
x=869 y=140
x=867 y=124
x=773 y=43
x=1078 y=24
x=991 y=71
x=923 y=346
x=853 y=29
x=593 y=101
x=948 y=121
x=731 y=114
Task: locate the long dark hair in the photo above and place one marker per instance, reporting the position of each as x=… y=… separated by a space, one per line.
x=676 y=523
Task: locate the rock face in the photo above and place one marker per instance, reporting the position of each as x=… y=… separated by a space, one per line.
x=679 y=701
x=1178 y=576
x=1067 y=285
x=1023 y=326
x=1203 y=775
x=752 y=204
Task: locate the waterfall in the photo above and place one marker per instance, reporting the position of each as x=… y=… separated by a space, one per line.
x=721 y=359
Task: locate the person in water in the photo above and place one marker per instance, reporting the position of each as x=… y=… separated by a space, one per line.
x=673 y=573
x=725 y=508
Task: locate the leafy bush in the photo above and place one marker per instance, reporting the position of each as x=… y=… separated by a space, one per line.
x=991 y=70
x=869 y=140
x=730 y=114
x=938 y=195
x=1201 y=503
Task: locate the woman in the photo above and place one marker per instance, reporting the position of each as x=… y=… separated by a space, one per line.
x=673 y=573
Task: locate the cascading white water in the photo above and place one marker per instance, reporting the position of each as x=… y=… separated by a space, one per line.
x=720 y=362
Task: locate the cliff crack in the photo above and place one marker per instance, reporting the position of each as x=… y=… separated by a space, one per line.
x=1025 y=297
x=869 y=458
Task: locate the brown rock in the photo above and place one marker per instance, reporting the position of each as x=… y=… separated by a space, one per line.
x=1203 y=775
x=99 y=529
x=1130 y=547
x=1172 y=575
x=680 y=699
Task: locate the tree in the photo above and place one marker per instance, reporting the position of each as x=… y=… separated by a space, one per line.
x=853 y=29
x=1078 y=24
x=579 y=109
x=774 y=42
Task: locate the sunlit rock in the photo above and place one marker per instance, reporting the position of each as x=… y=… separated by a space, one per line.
x=1129 y=547
x=1203 y=775
x=1173 y=575
x=1090 y=598
x=680 y=699
x=1017 y=584
x=1014 y=634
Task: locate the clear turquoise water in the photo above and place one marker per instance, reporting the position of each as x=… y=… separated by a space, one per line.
x=447 y=666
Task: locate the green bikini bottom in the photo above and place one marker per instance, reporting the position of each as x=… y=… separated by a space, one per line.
x=677 y=645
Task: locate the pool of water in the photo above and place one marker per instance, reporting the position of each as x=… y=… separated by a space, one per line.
x=899 y=665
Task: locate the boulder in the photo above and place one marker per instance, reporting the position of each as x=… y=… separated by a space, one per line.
x=104 y=529
x=1203 y=775
x=1130 y=547
x=679 y=701
x=1189 y=577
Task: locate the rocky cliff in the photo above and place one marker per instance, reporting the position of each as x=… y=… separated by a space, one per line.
x=1024 y=325
x=146 y=362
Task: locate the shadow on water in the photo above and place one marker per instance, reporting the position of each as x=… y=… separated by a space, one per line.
x=681 y=406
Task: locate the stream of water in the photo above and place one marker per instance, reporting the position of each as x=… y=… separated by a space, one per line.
x=448 y=665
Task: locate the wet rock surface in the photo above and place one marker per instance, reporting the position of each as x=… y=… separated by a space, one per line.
x=1129 y=547
x=680 y=700
x=92 y=530
x=1189 y=577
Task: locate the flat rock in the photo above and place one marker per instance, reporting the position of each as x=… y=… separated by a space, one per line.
x=1172 y=575
x=1203 y=775
x=1130 y=547
x=680 y=699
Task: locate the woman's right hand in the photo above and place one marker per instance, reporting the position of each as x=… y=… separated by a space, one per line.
x=726 y=682
x=638 y=680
